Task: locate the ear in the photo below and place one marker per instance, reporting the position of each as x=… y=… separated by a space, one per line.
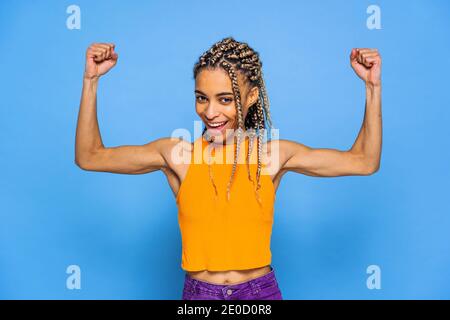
x=252 y=96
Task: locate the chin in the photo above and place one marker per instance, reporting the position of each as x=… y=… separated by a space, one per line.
x=223 y=135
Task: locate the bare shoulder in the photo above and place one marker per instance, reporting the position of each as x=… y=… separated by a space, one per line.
x=177 y=154
x=174 y=150
x=278 y=148
x=286 y=148
x=280 y=151
x=271 y=156
x=274 y=156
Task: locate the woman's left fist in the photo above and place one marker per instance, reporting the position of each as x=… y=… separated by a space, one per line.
x=367 y=65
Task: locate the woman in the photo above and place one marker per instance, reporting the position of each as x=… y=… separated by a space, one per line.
x=226 y=203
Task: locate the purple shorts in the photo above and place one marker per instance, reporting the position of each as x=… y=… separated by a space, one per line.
x=262 y=288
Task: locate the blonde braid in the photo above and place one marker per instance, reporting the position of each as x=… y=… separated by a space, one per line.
x=237 y=94
x=210 y=171
x=260 y=143
x=250 y=149
x=265 y=98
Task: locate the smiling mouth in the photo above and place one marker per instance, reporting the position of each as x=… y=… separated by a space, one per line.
x=216 y=125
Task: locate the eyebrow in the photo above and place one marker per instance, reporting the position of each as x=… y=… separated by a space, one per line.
x=217 y=95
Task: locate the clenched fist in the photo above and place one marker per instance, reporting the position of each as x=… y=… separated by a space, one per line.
x=367 y=65
x=100 y=58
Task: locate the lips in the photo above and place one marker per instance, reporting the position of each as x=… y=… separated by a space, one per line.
x=216 y=125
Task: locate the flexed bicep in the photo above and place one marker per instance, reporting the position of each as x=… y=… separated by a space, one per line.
x=129 y=159
x=322 y=162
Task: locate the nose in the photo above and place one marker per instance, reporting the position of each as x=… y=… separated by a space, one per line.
x=211 y=112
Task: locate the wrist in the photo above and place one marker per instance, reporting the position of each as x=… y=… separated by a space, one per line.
x=370 y=85
x=90 y=80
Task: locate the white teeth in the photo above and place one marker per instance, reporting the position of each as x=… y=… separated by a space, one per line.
x=216 y=124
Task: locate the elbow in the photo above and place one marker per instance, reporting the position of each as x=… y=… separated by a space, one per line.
x=90 y=160
x=372 y=168
x=82 y=164
x=85 y=162
x=364 y=165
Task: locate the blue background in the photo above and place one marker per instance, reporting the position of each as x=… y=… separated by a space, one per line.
x=122 y=230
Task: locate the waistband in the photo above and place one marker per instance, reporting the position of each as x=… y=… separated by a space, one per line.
x=191 y=283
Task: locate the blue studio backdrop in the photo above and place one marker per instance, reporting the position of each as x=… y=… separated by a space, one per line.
x=122 y=232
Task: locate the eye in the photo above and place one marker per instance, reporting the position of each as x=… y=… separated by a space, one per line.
x=200 y=98
x=226 y=100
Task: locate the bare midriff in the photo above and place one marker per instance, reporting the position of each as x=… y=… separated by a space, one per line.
x=229 y=276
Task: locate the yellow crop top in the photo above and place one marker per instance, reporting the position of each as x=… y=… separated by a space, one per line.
x=218 y=235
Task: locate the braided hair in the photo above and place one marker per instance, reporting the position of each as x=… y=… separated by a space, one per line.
x=233 y=57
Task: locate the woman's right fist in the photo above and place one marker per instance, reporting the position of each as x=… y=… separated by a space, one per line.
x=100 y=58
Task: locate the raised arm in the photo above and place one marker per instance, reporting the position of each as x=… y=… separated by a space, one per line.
x=90 y=153
x=363 y=158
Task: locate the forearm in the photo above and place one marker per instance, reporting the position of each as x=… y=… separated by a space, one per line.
x=369 y=140
x=88 y=138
